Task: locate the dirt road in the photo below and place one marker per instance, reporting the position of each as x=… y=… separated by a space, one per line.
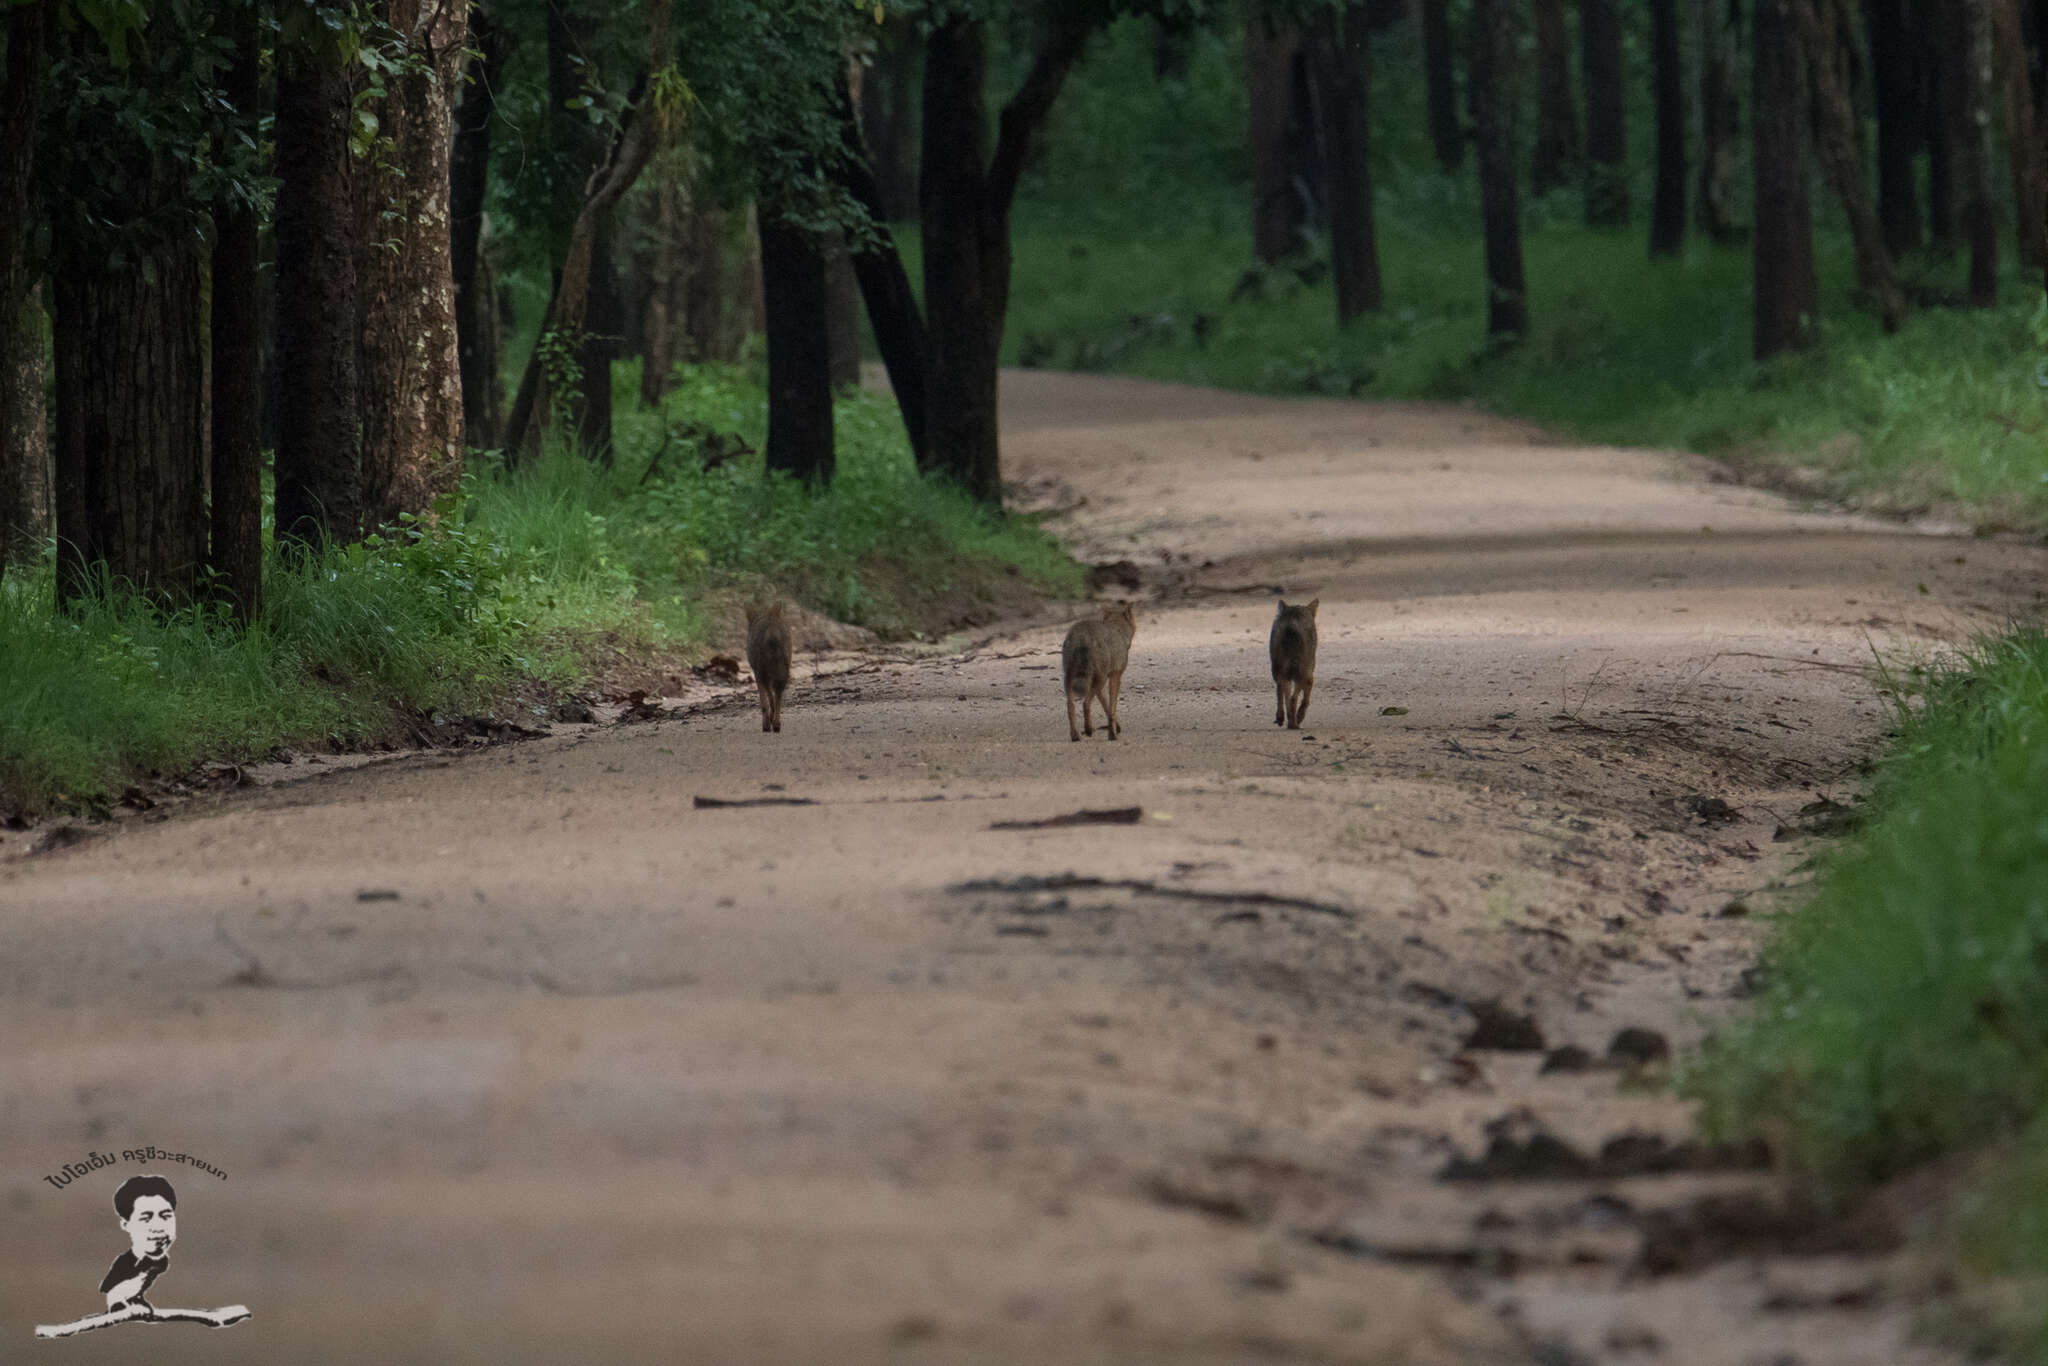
x=521 y=1056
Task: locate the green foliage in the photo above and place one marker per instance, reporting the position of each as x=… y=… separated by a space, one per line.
x=1903 y=1015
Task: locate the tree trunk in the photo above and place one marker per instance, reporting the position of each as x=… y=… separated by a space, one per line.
x=1493 y=107
x=704 y=320
x=2023 y=134
x=966 y=262
x=131 y=427
x=237 y=338
x=572 y=307
x=888 y=117
x=842 y=314
x=1827 y=34
x=662 y=311
x=577 y=148
x=1278 y=217
x=1440 y=71
x=966 y=198
x=24 y=515
x=1787 y=287
x=793 y=275
x=1339 y=47
x=468 y=178
x=1606 y=136
x=1720 y=118
x=1930 y=24
x=1901 y=123
x=318 y=465
x=885 y=287
x=1556 y=160
x=409 y=365
x=1667 y=209
x=24 y=435
x=1966 y=89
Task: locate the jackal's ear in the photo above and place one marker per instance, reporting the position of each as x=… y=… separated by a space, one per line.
x=1313 y=603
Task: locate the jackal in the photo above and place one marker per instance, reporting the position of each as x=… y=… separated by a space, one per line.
x=768 y=654
x=1092 y=664
x=1293 y=647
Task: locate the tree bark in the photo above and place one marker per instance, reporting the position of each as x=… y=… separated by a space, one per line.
x=1966 y=89
x=24 y=456
x=965 y=198
x=1278 y=216
x=1440 y=72
x=131 y=427
x=704 y=320
x=885 y=288
x=1339 y=48
x=569 y=309
x=842 y=314
x=409 y=364
x=237 y=339
x=1901 y=123
x=793 y=275
x=1720 y=119
x=1493 y=107
x=1667 y=209
x=1827 y=34
x=1787 y=286
x=469 y=177
x=1556 y=159
x=888 y=118
x=663 y=309
x=1600 y=67
x=577 y=151
x=318 y=461
x=2023 y=133
x=1930 y=21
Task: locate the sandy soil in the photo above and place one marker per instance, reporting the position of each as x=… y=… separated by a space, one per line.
x=521 y=1056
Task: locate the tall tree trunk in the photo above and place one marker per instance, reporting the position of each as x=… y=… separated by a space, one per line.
x=318 y=461
x=793 y=271
x=704 y=311
x=662 y=311
x=1667 y=209
x=1440 y=72
x=576 y=147
x=885 y=287
x=1827 y=34
x=469 y=166
x=1930 y=21
x=842 y=314
x=409 y=365
x=570 y=308
x=888 y=117
x=1600 y=68
x=23 y=453
x=24 y=435
x=1720 y=118
x=237 y=338
x=1493 y=107
x=1787 y=286
x=1339 y=47
x=1556 y=159
x=966 y=198
x=2023 y=134
x=1278 y=217
x=131 y=426
x=1901 y=123
x=1966 y=91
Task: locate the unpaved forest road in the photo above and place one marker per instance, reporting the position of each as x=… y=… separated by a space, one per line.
x=615 y=1079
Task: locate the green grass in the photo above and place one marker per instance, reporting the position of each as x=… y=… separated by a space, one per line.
x=526 y=578
x=1904 y=1016
x=1133 y=234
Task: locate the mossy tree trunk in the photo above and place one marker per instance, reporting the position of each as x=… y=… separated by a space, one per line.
x=1555 y=161
x=1901 y=122
x=1787 y=287
x=1493 y=107
x=1720 y=24
x=236 y=555
x=1338 y=44
x=469 y=178
x=24 y=451
x=1600 y=68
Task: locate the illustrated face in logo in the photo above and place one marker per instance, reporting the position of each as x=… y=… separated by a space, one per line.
x=151 y=1226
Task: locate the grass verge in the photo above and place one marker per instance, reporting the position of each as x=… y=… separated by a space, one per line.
x=1903 y=1017
x=527 y=583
